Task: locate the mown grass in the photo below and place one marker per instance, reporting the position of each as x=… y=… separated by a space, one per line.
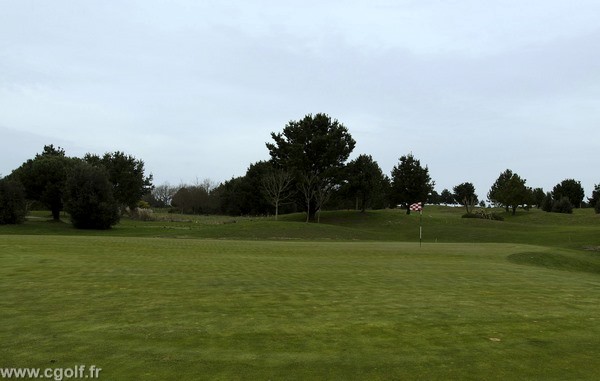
x=353 y=297
x=440 y=224
x=163 y=308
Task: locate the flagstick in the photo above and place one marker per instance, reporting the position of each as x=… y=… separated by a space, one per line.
x=420 y=227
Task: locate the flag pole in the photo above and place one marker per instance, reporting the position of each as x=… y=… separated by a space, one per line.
x=420 y=227
x=418 y=206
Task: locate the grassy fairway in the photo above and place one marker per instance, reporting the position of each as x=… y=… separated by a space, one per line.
x=188 y=309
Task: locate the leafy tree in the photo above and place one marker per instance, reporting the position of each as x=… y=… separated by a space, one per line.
x=562 y=206
x=570 y=189
x=497 y=193
x=510 y=191
x=126 y=173
x=183 y=200
x=537 y=197
x=366 y=181
x=314 y=150
x=410 y=182
x=434 y=198
x=44 y=177
x=464 y=194
x=595 y=199
x=229 y=196
x=12 y=202
x=244 y=195
x=201 y=198
x=446 y=197
x=89 y=198
x=547 y=202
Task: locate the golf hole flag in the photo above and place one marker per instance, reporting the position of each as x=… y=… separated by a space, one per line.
x=418 y=207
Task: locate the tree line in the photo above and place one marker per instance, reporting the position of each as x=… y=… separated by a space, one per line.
x=94 y=190
x=308 y=171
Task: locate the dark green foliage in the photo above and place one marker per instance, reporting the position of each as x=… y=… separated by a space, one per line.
x=547 y=202
x=537 y=197
x=126 y=173
x=595 y=199
x=464 y=194
x=410 y=182
x=12 y=202
x=482 y=214
x=597 y=207
x=562 y=206
x=197 y=199
x=243 y=196
x=89 y=198
x=570 y=189
x=434 y=198
x=510 y=191
x=44 y=178
x=314 y=150
x=446 y=197
x=365 y=182
x=556 y=206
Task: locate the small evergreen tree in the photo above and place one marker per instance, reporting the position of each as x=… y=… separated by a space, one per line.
x=410 y=182
x=562 y=206
x=594 y=201
x=44 y=177
x=89 y=198
x=510 y=191
x=365 y=181
x=571 y=189
x=547 y=202
x=464 y=194
x=537 y=197
x=446 y=197
x=12 y=202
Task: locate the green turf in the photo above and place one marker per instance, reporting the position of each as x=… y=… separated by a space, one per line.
x=440 y=224
x=341 y=300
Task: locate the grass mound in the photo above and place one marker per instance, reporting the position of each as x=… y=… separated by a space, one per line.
x=585 y=262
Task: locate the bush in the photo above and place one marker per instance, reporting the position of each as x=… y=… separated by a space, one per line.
x=145 y=214
x=89 y=198
x=562 y=206
x=484 y=215
x=12 y=202
x=597 y=208
x=547 y=203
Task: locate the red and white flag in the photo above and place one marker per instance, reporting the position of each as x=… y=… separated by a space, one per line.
x=417 y=207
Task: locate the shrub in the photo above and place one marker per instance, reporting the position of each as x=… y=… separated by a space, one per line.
x=597 y=208
x=547 y=202
x=484 y=215
x=143 y=204
x=89 y=198
x=12 y=202
x=145 y=214
x=562 y=206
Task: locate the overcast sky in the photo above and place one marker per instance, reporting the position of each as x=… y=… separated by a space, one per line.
x=194 y=88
